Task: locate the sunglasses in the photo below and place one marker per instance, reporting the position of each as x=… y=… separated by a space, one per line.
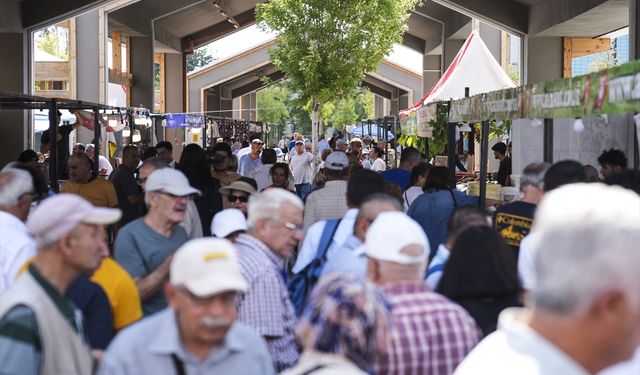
x=241 y=198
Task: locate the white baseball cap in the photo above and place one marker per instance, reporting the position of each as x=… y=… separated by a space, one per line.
x=390 y=233
x=171 y=181
x=336 y=161
x=207 y=266
x=228 y=221
x=60 y=214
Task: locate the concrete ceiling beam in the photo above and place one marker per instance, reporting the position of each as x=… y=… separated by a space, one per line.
x=37 y=13
x=506 y=14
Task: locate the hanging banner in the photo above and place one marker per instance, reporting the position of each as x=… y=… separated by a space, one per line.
x=409 y=124
x=612 y=91
x=423 y=116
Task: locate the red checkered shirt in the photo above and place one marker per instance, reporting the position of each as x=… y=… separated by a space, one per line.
x=430 y=334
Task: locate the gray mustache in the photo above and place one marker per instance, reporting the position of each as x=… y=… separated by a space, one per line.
x=210 y=322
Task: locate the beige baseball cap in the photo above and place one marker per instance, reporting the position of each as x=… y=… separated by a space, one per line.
x=207 y=266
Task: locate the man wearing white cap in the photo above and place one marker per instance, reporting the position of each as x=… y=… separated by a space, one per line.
x=330 y=202
x=40 y=330
x=229 y=224
x=144 y=246
x=432 y=334
x=251 y=161
x=198 y=333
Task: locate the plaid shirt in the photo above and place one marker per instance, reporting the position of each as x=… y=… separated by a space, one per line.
x=431 y=334
x=266 y=306
x=327 y=203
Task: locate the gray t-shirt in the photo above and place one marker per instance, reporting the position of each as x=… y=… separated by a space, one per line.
x=140 y=250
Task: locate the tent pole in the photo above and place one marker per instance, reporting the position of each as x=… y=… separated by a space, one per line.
x=96 y=140
x=53 y=145
x=548 y=141
x=484 y=156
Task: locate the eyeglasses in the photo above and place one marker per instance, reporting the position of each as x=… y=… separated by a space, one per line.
x=288 y=225
x=242 y=198
x=173 y=196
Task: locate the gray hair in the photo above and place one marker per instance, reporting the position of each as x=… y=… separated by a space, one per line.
x=156 y=162
x=17 y=183
x=533 y=175
x=267 y=205
x=585 y=242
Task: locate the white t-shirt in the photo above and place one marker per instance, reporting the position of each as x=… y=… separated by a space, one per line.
x=16 y=248
x=515 y=348
x=378 y=165
x=302 y=167
x=526 y=269
x=410 y=195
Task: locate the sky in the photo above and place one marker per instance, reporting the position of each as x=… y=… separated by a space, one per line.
x=251 y=36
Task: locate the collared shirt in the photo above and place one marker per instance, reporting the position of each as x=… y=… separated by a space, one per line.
x=20 y=340
x=16 y=248
x=349 y=258
x=439 y=260
x=266 y=307
x=432 y=335
x=515 y=348
x=302 y=166
x=246 y=165
x=327 y=203
x=147 y=348
x=311 y=240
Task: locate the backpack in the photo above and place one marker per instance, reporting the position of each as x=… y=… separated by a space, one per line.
x=301 y=283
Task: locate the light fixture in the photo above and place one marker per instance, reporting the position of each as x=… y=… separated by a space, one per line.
x=136 y=136
x=465 y=128
x=536 y=122
x=578 y=125
x=126 y=132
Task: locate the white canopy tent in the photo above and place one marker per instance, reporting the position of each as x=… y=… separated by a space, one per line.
x=474 y=67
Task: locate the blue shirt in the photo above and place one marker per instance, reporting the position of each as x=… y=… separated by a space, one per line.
x=246 y=165
x=436 y=267
x=140 y=250
x=432 y=210
x=147 y=348
x=348 y=258
x=94 y=304
x=398 y=176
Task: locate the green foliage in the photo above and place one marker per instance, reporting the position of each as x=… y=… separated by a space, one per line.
x=272 y=104
x=514 y=74
x=199 y=58
x=54 y=41
x=326 y=46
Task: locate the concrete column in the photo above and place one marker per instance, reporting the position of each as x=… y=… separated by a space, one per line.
x=492 y=37
x=395 y=102
x=226 y=106
x=87 y=65
x=248 y=104
x=174 y=100
x=451 y=48
x=403 y=101
x=142 y=70
x=430 y=72
x=379 y=107
x=544 y=59
x=13 y=128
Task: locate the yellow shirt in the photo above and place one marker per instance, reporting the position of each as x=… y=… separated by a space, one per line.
x=121 y=291
x=99 y=192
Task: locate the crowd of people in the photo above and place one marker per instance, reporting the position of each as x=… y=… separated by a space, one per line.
x=315 y=259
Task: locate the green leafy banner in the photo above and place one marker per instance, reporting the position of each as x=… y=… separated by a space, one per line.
x=616 y=90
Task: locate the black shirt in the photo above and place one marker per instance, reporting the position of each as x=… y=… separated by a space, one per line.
x=505 y=171
x=63 y=149
x=513 y=221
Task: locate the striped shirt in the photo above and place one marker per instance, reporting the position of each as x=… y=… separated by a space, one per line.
x=431 y=334
x=327 y=203
x=266 y=307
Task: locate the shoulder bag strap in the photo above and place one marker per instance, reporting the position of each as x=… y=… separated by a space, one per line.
x=178 y=364
x=453 y=196
x=328 y=232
